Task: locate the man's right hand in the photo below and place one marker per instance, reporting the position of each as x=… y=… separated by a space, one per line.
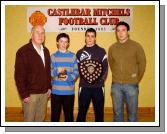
x=61 y=69
x=26 y=100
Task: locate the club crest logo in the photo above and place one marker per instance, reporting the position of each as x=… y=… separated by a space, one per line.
x=37 y=18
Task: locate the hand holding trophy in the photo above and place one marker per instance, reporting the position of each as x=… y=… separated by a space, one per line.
x=62 y=74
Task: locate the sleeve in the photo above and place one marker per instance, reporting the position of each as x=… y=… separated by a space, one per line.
x=110 y=58
x=54 y=73
x=20 y=75
x=77 y=56
x=141 y=60
x=49 y=71
x=105 y=66
x=73 y=75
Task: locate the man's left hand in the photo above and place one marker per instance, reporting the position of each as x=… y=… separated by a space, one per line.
x=49 y=92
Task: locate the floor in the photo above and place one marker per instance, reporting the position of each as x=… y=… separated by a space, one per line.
x=144 y=115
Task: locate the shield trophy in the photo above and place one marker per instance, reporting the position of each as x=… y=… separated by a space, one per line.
x=90 y=70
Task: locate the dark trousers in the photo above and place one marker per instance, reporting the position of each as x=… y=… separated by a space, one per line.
x=85 y=97
x=59 y=101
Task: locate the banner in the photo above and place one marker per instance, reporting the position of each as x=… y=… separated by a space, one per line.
x=63 y=19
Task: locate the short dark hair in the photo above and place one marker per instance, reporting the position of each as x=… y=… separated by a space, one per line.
x=123 y=23
x=61 y=35
x=90 y=30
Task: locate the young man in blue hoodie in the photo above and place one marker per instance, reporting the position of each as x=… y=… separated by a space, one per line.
x=91 y=88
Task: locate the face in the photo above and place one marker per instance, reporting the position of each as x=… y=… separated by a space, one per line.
x=122 y=33
x=38 y=35
x=63 y=44
x=90 y=38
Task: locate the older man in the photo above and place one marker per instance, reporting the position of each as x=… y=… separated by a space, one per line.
x=32 y=75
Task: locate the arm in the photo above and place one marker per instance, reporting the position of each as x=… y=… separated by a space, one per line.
x=110 y=59
x=73 y=75
x=54 y=73
x=49 y=71
x=105 y=66
x=21 y=74
x=141 y=60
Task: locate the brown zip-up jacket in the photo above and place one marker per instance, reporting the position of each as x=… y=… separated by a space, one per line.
x=31 y=76
x=127 y=62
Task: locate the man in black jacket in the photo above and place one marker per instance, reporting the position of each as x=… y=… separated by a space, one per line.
x=33 y=76
x=91 y=85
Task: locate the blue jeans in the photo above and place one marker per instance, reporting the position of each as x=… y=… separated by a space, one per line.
x=125 y=93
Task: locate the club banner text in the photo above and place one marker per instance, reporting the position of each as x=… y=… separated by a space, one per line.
x=78 y=19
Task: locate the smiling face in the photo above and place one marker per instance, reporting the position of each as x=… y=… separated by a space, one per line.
x=63 y=44
x=122 y=33
x=38 y=35
x=90 y=38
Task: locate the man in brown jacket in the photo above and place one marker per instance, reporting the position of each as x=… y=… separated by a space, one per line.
x=33 y=76
x=127 y=62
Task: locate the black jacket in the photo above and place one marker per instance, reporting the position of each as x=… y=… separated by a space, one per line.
x=97 y=53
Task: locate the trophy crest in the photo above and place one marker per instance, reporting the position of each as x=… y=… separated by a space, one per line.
x=90 y=70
